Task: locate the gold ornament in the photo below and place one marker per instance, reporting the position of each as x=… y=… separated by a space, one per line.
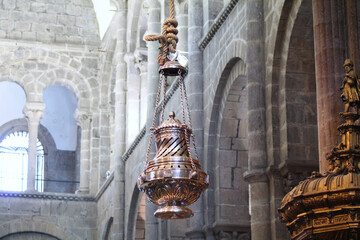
x=327 y=206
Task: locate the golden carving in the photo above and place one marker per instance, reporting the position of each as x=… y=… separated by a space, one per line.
x=350 y=87
x=328 y=206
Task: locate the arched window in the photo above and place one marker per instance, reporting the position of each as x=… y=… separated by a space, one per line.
x=14 y=162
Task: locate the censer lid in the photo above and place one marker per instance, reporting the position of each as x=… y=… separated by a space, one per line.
x=171 y=122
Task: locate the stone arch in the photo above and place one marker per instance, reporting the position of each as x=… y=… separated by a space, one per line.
x=133 y=213
x=285 y=91
x=44 y=136
x=278 y=45
x=132 y=26
x=22 y=125
x=33 y=225
x=235 y=50
x=29 y=234
x=8 y=78
x=49 y=66
x=231 y=82
x=107 y=229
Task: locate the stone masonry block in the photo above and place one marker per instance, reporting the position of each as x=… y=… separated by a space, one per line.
x=229 y=127
x=239 y=144
x=225 y=143
x=66 y=20
x=227 y=158
x=22 y=26
x=38 y=7
x=73 y=10
x=47 y=18
x=226 y=180
x=6 y=25
x=9 y=4
x=242 y=159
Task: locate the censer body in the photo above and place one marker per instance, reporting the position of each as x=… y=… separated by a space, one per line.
x=172 y=179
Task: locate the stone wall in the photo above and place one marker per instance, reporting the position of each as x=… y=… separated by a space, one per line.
x=57 y=216
x=72 y=22
x=105 y=208
x=61 y=174
x=298 y=110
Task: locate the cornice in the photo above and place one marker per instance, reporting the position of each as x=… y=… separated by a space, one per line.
x=220 y=19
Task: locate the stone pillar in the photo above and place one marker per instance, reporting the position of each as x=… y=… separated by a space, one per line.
x=330 y=44
x=352 y=32
x=256 y=175
x=182 y=18
x=132 y=100
x=120 y=123
x=141 y=65
x=83 y=119
x=154 y=27
x=33 y=112
x=194 y=83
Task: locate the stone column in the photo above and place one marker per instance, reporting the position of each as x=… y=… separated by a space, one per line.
x=83 y=119
x=120 y=123
x=330 y=44
x=132 y=100
x=256 y=175
x=141 y=65
x=352 y=32
x=182 y=18
x=33 y=112
x=154 y=27
x=194 y=83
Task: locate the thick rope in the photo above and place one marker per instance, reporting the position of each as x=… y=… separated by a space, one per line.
x=168 y=39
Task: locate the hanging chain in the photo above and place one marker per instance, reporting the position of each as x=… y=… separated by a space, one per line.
x=163 y=101
x=154 y=120
x=186 y=128
x=189 y=118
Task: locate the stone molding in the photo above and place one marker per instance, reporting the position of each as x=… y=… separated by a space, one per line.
x=104 y=187
x=61 y=197
x=255 y=176
x=220 y=19
x=49 y=196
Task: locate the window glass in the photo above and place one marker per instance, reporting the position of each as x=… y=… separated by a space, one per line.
x=14 y=163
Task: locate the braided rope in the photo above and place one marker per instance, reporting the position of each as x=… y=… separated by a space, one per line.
x=168 y=39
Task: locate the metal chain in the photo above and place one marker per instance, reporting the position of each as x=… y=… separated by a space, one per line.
x=163 y=101
x=189 y=118
x=183 y=92
x=181 y=97
x=154 y=120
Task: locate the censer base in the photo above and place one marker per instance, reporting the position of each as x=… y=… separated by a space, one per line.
x=173 y=212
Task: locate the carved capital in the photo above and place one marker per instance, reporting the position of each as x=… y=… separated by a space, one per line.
x=141 y=60
x=83 y=118
x=34 y=111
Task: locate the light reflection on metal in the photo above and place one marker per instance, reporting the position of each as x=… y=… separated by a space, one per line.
x=328 y=206
x=173 y=179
